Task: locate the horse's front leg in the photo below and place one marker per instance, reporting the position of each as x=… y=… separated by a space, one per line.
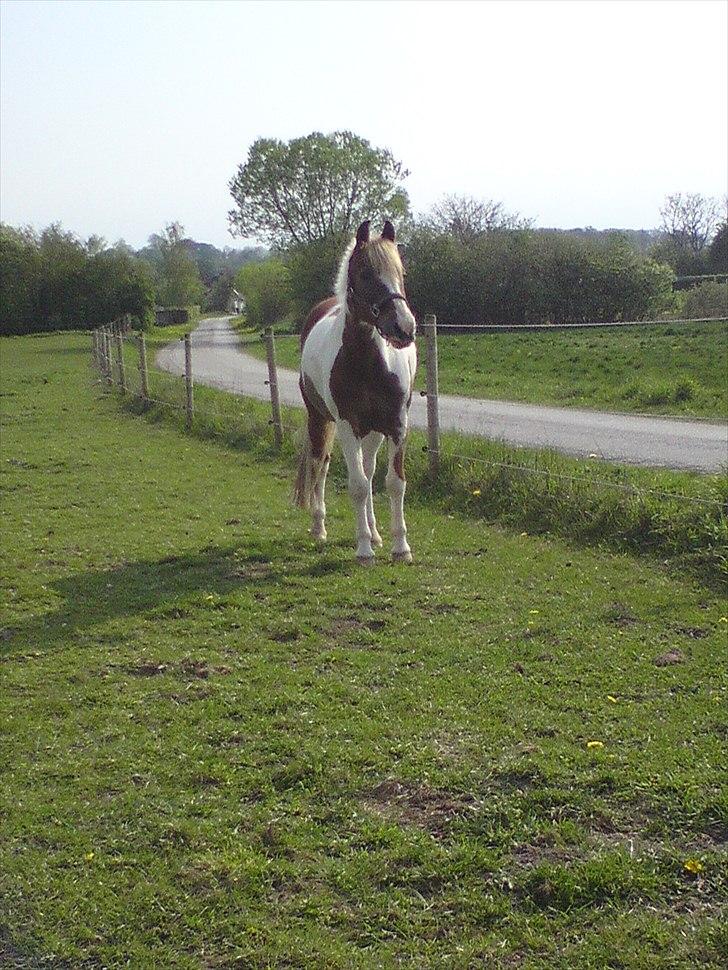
x=358 y=490
x=369 y=448
x=396 y=485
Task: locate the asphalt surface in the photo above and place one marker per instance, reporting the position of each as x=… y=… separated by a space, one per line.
x=218 y=361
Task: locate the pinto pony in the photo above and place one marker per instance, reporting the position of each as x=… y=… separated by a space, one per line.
x=358 y=363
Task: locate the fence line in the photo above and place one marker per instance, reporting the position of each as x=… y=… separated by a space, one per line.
x=548 y=473
x=102 y=362
x=463 y=328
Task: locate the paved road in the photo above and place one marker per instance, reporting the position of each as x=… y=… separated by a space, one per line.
x=218 y=361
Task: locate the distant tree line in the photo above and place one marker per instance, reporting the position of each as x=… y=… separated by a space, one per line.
x=52 y=280
x=467 y=260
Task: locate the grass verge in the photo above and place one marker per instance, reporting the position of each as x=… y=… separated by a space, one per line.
x=680 y=517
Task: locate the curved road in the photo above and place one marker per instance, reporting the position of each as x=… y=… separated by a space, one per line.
x=218 y=361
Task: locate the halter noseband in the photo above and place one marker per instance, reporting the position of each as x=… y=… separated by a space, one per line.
x=375 y=308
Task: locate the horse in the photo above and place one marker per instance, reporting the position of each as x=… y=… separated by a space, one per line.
x=358 y=364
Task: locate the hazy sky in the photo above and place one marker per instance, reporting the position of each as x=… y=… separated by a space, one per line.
x=118 y=117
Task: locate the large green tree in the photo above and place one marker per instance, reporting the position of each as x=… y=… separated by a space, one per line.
x=178 y=277
x=317 y=187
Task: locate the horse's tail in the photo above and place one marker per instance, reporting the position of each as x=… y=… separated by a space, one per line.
x=303 y=489
x=312 y=465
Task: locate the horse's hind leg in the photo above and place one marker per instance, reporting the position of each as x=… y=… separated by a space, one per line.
x=322 y=437
x=312 y=468
x=396 y=486
x=369 y=448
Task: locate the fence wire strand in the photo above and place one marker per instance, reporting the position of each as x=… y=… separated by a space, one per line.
x=583 y=479
x=159 y=379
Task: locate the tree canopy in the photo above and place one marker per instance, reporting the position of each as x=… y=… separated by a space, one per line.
x=52 y=280
x=313 y=188
x=466 y=219
x=178 y=278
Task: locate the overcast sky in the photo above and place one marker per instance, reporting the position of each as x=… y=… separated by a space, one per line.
x=119 y=117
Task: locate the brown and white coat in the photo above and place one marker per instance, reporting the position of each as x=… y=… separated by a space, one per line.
x=358 y=363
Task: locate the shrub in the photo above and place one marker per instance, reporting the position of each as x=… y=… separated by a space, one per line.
x=266 y=287
x=312 y=269
x=710 y=299
x=520 y=276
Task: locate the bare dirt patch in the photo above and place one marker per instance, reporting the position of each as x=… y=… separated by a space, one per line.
x=147 y=669
x=542 y=849
x=411 y=804
x=670 y=658
x=694 y=632
x=620 y=615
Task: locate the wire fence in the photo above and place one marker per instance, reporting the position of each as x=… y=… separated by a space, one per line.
x=121 y=360
x=463 y=328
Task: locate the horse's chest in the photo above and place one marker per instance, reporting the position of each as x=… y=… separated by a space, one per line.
x=367 y=395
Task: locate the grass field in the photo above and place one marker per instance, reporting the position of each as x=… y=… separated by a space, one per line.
x=678 y=369
x=224 y=748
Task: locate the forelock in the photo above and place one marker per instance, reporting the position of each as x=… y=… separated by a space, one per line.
x=384 y=258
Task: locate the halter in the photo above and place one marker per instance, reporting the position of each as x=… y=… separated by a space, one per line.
x=375 y=308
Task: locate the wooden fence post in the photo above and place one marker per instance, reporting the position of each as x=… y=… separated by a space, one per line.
x=433 y=408
x=94 y=348
x=188 y=379
x=106 y=337
x=273 y=384
x=143 y=367
x=120 y=360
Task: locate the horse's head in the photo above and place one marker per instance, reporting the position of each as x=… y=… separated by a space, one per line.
x=375 y=290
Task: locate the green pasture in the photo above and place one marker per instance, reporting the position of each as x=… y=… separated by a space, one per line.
x=677 y=369
x=223 y=747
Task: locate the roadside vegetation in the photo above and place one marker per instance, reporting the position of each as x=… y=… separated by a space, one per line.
x=226 y=746
x=660 y=369
x=680 y=517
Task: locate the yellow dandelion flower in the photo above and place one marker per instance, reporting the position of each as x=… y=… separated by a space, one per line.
x=476 y=491
x=612 y=698
x=693 y=865
x=595 y=744
x=89 y=856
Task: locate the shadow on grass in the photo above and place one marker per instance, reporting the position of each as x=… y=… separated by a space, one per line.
x=166 y=587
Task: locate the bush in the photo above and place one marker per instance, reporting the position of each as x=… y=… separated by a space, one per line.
x=521 y=277
x=710 y=299
x=312 y=270
x=266 y=288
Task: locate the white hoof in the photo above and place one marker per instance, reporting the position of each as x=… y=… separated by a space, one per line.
x=405 y=556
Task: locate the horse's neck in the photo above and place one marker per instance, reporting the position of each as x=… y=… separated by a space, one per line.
x=360 y=337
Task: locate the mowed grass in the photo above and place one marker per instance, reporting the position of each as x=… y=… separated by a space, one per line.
x=224 y=747
x=676 y=369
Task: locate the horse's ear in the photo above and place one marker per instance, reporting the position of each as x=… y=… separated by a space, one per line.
x=388 y=231
x=362 y=233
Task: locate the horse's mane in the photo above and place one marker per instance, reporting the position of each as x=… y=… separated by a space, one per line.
x=383 y=255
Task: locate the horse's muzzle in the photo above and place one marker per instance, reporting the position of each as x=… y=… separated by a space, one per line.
x=397 y=337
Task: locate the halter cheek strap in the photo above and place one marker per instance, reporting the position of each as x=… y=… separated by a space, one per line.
x=376 y=308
